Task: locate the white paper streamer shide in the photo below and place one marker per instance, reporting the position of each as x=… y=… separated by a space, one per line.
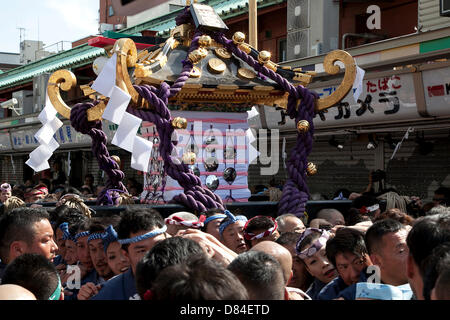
x=38 y=159
x=358 y=83
x=128 y=124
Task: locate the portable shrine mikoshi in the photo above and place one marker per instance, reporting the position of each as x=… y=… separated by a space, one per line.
x=197 y=64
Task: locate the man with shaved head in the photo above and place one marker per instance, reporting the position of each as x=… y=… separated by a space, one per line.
x=301 y=278
x=328 y=217
x=284 y=257
x=261 y=274
x=15 y=292
x=289 y=222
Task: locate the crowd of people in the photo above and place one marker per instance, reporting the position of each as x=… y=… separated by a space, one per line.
x=384 y=247
x=34 y=194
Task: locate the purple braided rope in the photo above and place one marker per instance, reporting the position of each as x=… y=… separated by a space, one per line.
x=286 y=85
x=187 y=66
x=78 y=120
x=295 y=191
x=158 y=98
x=194 y=196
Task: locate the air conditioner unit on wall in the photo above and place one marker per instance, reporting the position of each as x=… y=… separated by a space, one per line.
x=25 y=101
x=433 y=15
x=316 y=49
x=298 y=44
x=298 y=14
x=312 y=26
x=39 y=91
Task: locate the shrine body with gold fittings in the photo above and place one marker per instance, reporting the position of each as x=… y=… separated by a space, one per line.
x=218 y=76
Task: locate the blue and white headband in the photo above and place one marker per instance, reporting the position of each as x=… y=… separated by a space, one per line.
x=95 y=236
x=147 y=235
x=109 y=236
x=81 y=234
x=232 y=219
x=214 y=217
x=64 y=227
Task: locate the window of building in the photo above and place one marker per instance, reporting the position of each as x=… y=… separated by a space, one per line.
x=110 y=11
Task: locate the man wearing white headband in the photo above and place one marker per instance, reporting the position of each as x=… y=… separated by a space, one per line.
x=260 y=228
x=311 y=249
x=138 y=231
x=368 y=206
x=181 y=221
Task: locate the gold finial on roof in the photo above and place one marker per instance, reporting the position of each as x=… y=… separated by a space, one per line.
x=238 y=37
x=205 y=41
x=264 y=57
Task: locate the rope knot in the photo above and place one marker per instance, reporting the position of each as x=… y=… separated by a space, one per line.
x=78 y=118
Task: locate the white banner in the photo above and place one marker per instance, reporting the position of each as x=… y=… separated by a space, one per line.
x=387 y=99
x=382 y=99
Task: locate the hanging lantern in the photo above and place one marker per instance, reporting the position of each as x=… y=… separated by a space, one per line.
x=212 y=182
x=195 y=169
x=229 y=175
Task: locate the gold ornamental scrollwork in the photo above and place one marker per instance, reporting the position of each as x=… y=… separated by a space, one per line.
x=346 y=84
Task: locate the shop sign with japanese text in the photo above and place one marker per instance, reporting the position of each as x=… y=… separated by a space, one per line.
x=390 y=98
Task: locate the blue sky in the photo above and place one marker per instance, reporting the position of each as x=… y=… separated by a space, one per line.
x=58 y=20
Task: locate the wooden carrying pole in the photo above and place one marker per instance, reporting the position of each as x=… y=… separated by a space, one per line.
x=253 y=23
